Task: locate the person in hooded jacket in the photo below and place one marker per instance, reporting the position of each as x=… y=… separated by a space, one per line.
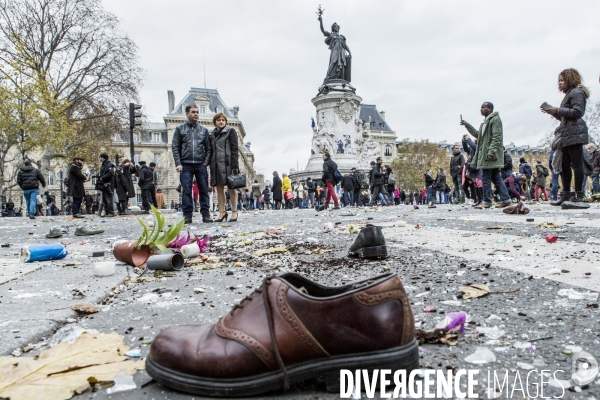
x=329 y=168
x=224 y=163
x=507 y=169
x=525 y=169
x=569 y=138
x=29 y=179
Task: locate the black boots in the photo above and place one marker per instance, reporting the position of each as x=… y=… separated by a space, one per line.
x=564 y=196
x=370 y=243
x=575 y=202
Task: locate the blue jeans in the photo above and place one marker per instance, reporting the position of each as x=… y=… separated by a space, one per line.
x=311 y=199
x=489 y=176
x=188 y=172
x=585 y=179
x=595 y=185
x=49 y=210
x=30 y=200
x=440 y=197
x=348 y=198
x=554 y=189
x=429 y=190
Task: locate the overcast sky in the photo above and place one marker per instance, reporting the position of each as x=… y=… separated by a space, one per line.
x=422 y=62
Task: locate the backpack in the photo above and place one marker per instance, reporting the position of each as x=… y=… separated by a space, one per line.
x=545 y=170
x=337 y=177
x=391 y=179
x=66 y=181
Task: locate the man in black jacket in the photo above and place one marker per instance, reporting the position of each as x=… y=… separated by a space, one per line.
x=429 y=186
x=105 y=184
x=192 y=152
x=457 y=161
x=153 y=184
x=29 y=179
x=377 y=183
x=507 y=169
x=50 y=199
x=348 y=186
x=144 y=182
x=75 y=189
x=440 y=186
x=357 y=186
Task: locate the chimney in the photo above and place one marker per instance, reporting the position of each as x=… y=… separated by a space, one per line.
x=236 y=111
x=382 y=113
x=171 y=97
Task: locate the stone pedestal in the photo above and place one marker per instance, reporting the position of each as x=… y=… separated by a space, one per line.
x=339 y=131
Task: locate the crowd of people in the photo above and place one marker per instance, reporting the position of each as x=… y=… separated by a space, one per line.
x=199 y=153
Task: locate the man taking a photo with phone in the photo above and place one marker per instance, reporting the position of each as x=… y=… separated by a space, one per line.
x=489 y=156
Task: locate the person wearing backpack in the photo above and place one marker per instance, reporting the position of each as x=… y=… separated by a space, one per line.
x=329 y=178
x=542 y=173
x=525 y=169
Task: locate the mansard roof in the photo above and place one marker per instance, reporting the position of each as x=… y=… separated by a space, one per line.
x=377 y=122
x=215 y=101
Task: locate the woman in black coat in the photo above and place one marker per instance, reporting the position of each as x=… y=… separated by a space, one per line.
x=121 y=187
x=224 y=162
x=277 y=193
x=128 y=172
x=569 y=137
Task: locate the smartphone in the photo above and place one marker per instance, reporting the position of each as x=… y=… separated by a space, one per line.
x=460 y=117
x=545 y=106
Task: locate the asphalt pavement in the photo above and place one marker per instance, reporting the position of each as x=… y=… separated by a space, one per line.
x=436 y=251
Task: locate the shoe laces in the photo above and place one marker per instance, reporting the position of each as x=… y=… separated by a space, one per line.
x=264 y=292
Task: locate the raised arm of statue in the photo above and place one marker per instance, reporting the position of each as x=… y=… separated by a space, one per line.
x=322 y=29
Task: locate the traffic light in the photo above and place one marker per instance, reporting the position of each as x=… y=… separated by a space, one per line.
x=135 y=115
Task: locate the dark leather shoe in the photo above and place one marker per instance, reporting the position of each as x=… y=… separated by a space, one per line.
x=575 y=202
x=290 y=330
x=370 y=243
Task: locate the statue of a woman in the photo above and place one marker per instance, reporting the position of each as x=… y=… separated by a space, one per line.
x=339 y=61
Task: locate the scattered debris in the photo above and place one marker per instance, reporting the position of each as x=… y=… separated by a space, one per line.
x=575 y=295
x=551 y=238
x=498 y=227
x=482 y=355
x=435 y=336
x=97 y=357
x=84 y=308
x=454 y=322
x=548 y=225
x=480 y=290
x=272 y=250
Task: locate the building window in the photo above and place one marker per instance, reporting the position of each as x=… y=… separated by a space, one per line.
x=50 y=177
x=158 y=175
x=136 y=158
x=156 y=137
x=157 y=158
x=388 y=150
x=202 y=109
x=136 y=137
x=117 y=137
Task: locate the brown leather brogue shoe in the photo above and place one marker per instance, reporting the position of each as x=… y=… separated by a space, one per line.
x=290 y=330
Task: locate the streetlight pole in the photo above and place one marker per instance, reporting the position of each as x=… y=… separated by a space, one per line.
x=61 y=177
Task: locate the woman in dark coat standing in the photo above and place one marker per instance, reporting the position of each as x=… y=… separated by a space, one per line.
x=224 y=161
x=277 y=193
x=121 y=186
x=569 y=138
x=128 y=172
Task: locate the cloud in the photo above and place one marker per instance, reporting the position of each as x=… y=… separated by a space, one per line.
x=424 y=63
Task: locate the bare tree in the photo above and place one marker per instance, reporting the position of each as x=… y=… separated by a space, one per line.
x=592 y=119
x=86 y=60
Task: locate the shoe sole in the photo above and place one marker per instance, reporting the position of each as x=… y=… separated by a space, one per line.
x=371 y=252
x=328 y=370
x=568 y=205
